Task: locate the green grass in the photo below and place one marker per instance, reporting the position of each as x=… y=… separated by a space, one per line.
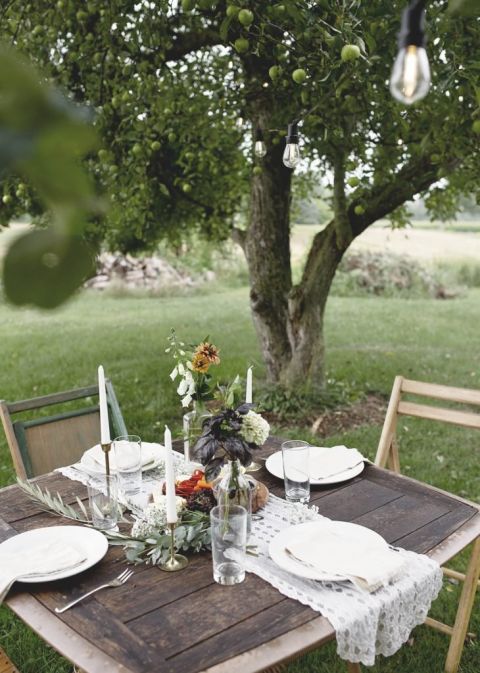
x=369 y=341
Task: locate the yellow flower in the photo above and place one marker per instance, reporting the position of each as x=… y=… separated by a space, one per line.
x=209 y=352
x=200 y=363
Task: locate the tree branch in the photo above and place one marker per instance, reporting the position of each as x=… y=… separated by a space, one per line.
x=185 y=43
x=239 y=236
x=342 y=224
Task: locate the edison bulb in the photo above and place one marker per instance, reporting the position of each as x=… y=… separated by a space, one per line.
x=260 y=148
x=291 y=155
x=410 y=79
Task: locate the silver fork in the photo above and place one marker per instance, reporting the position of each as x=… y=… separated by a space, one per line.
x=118 y=581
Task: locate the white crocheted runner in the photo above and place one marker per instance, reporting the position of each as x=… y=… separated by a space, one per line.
x=366 y=624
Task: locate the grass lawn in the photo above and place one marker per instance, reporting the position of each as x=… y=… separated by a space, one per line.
x=369 y=340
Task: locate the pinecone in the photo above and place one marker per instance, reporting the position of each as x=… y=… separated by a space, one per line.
x=202 y=500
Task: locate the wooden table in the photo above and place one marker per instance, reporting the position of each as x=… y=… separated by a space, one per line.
x=184 y=622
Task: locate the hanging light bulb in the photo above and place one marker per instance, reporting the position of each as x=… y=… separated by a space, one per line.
x=260 y=148
x=410 y=80
x=291 y=155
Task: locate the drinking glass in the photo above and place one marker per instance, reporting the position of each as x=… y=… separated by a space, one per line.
x=296 y=454
x=128 y=463
x=103 y=501
x=229 y=542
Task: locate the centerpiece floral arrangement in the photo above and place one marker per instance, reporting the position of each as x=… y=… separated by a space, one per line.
x=227 y=439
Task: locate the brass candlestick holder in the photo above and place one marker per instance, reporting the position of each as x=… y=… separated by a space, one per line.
x=106 y=450
x=176 y=561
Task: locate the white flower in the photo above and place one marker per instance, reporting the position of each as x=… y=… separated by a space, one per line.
x=155 y=516
x=255 y=429
x=174 y=373
x=186 y=400
x=181 y=368
x=182 y=387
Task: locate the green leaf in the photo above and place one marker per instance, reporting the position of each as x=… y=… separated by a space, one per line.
x=464 y=7
x=44 y=268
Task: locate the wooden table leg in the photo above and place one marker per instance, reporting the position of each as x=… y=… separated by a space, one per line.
x=353 y=668
x=464 y=611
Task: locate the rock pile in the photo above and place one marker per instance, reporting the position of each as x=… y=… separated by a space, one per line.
x=116 y=270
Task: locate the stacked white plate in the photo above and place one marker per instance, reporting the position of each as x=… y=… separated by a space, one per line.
x=327 y=465
x=93 y=460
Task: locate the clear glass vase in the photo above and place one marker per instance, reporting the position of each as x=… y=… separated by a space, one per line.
x=234 y=488
x=192 y=429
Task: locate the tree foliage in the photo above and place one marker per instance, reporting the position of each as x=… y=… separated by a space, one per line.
x=168 y=80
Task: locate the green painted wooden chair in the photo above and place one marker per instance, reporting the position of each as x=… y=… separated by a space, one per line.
x=39 y=445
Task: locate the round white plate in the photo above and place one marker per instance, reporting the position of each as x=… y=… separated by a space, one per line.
x=280 y=556
x=90 y=542
x=154 y=451
x=274 y=465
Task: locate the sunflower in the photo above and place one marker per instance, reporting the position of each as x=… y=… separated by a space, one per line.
x=209 y=352
x=200 y=363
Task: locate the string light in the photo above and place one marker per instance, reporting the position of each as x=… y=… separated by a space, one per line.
x=291 y=155
x=260 y=148
x=410 y=80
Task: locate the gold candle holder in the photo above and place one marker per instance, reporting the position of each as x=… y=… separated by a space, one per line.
x=106 y=450
x=176 y=561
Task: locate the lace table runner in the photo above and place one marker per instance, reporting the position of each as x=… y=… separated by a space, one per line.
x=366 y=624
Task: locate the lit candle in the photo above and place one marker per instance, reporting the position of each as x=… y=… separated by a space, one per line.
x=170 y=478
x=249 y=391
x=102 y=393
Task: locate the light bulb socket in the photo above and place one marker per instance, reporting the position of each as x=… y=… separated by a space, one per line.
x=258 y=134
x=292 y=134
x=412 y=30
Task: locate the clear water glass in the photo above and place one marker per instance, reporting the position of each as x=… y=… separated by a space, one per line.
x=229 y=543
x=296 y=456
x=103 y=501
x=128 y=463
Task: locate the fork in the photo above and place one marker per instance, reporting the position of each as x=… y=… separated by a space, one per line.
x=117 y=582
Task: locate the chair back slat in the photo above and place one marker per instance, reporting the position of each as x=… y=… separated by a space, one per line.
x=439 y=414
x=462 y=395
x=59 y=442
x=55 y=398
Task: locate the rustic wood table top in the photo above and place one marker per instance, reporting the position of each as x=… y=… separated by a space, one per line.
x=184 y=622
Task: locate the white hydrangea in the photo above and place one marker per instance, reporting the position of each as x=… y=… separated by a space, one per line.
x=255 y=429
x=155 y=516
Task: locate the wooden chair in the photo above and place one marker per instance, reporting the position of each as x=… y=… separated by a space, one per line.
x=388 y=455
x=41 y=444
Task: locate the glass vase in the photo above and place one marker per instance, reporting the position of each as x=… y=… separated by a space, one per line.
x=192 y=429
x=235 y=489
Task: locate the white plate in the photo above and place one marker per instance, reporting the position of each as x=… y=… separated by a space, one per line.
x=280 y=556
x=155 y=451
x=274 y=465
x=90 y=542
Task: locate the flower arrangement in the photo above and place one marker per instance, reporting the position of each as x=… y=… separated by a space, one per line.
x=231 y=434
x=192 y=364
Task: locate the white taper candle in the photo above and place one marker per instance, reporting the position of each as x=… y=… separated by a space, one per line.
x=102 y=393
x=170 y=478
x=249 y=391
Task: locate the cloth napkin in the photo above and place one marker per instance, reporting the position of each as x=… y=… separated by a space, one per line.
x=329 y=462
x=369 y=565
x=97 y=455
x=43 y=559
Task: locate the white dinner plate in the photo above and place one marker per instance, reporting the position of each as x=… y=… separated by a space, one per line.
x=274 y=465
x=88 y=541
x=280 y=556
x=152 y=452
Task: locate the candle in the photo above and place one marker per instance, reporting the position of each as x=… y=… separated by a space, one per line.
x=249 y=391
x=102 y=393
x=170 y=478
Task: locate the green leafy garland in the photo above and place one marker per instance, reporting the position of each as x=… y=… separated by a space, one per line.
x=192 y=532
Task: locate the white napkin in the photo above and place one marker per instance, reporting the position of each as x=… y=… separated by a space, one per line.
x=97 y=455
x=43 y=559
x=332 y=461
x=368 y=565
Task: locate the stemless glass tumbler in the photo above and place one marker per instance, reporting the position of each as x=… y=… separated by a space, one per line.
x=128 y=463
x=296 y=456
x=229 y=543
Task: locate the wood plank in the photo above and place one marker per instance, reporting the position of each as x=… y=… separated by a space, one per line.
x=363 y=497
x=439 y=392
x=54 y=398
x=439 y=414
x=205 y=614
x=425 y=538
x=401 y=516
